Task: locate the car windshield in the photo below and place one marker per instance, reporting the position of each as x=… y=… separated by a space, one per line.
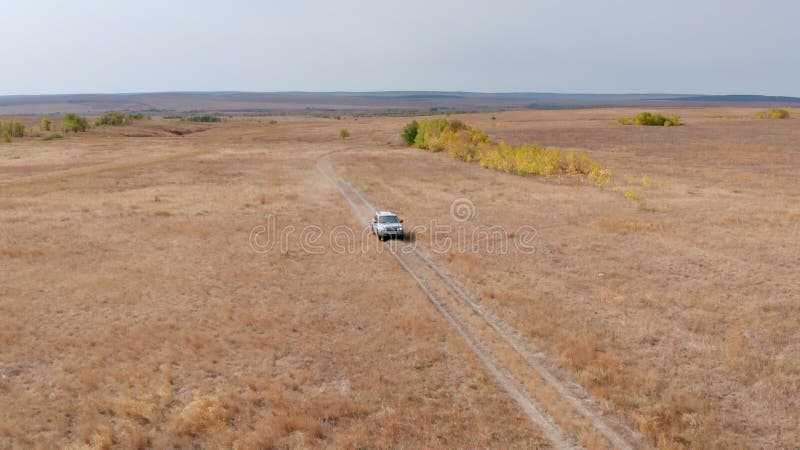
x=388 y=219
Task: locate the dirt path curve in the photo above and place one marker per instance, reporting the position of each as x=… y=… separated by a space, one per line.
x=450 y=296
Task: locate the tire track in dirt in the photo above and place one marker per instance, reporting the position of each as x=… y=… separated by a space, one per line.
x=616 y=431
x=503 y=378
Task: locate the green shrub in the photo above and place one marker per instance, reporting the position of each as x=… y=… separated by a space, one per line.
x=775 y=113
x=75 y=123
x=205 y=118
x=12 y=129
x=410 y=133
x=344 y=133
x=650 y=119
x=46 y=123
x=114 y=118
x=17 y=129
x=52 y=137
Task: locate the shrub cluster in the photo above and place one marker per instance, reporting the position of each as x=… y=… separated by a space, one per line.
x=463 y=143
x=775 y=113
x=117 y=118
x=650 y=119
x=75 y=123
x=71 y=123
x=205 y=118
x=11 y=129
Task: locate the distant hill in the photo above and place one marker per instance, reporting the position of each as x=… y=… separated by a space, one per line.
x=398 y=102
x=737 y=99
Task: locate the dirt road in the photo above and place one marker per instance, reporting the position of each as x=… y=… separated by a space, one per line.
x=491 y=339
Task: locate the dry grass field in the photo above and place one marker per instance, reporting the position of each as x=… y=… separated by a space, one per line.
x=134 y=311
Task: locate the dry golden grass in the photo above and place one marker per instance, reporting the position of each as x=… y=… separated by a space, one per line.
x=16 y=251
x=682 y=315
x=122 y=326
x=133 y=312
x=624 y=225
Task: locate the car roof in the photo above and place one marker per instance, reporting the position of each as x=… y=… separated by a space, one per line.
x=385 y=213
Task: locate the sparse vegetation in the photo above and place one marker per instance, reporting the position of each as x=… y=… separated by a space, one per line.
x=52 y=137
x=775 y=113
x=74 y=123
x=465 y=144
x=623 y=225
x=636 y=198
x=344 y=133
x=650 y=119
x=12 y=129
x=203 y=118
x=115 y=118
x=137 y=116
x=112 y=118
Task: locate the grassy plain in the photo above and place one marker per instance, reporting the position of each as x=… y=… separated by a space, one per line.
x=134 y=311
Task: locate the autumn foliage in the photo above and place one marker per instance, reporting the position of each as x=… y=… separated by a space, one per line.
x=466 y=144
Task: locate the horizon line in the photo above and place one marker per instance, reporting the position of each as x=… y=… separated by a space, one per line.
x=396 y=91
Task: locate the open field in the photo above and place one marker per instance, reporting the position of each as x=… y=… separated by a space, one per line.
x=135 y=312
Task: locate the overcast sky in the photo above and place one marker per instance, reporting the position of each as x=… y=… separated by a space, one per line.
x=675 y=46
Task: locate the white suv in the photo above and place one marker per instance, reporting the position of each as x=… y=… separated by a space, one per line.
x=386 y=224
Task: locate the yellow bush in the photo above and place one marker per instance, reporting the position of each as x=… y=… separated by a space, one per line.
x=463 y=143
x=599 y=176
x=634 y=197
x=578 y=163
x=776 y=113
x=458 y=144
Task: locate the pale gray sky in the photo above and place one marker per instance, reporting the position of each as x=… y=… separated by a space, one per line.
x=611 y=46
